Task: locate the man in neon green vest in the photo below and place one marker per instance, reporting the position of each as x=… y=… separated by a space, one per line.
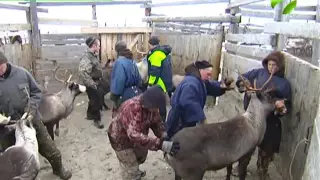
x=160 y=68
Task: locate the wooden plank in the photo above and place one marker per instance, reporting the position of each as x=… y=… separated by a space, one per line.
x=180 y=3
x=64 y=64
x=64 y=36
x=74 y=3
x=134 y=42
x=75 y=22
x=71 y=51
x=63 y=42
x=109 y=46
x=104 y=47
x=114 y=41
x=316 y=43
x=252 y=13
x=19 y=7
x=242 y=3
x=248 y=51
x=268 y=7
x=217 y=19
x=15 y=27
x=251 y=38
x=304 y=30
x=117 y=30
x=249 y=29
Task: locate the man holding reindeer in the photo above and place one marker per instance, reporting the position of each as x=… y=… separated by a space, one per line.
x=18 y=89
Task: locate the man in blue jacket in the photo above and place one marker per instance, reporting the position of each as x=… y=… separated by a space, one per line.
x=190 y=97
x=160 y=68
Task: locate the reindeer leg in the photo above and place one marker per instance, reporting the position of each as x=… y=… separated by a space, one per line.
x=229 y=171
x=57 y=131
x=176 y=176
x=243 y=164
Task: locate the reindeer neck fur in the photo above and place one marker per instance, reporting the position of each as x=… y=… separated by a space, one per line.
x=256 y=114
x=26 y=138
x=67 y=98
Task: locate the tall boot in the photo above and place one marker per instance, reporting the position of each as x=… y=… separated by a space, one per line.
x=98 y=124
x=48 y=149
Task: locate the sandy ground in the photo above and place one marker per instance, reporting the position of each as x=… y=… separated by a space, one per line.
x=87 y=152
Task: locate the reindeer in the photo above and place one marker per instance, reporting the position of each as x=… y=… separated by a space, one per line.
x=21 y=161
x=58 y=106
x=218 y=145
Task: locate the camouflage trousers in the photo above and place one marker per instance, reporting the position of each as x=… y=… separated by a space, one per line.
x=129 y=160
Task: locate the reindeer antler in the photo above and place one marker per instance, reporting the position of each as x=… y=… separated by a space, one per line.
x=141 y=51
x=254 y=88
x=65 y=75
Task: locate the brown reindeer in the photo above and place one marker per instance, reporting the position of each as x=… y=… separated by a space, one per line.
x=218 y=145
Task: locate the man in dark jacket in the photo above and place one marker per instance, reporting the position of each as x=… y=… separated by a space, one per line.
x=160 y=68
x=274 y=63
x=16 y=85
x=188 y=101
x=90 y=73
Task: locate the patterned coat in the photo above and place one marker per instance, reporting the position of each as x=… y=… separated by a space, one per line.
x=130 y=127
x=90 y=70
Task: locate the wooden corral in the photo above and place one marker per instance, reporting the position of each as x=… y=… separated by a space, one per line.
x=304 y=79
x=136 y=38
x=18 y=54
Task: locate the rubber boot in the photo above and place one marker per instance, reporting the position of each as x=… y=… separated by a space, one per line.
x=98 y=124
x=49 y=150
x=59 y=170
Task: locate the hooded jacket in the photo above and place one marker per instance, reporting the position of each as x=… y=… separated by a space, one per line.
x=160 y=67
x=278 y=81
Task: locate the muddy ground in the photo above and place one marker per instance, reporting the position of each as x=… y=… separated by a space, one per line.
x=87 y=152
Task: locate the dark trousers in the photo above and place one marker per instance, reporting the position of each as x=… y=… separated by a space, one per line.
x=95 y=103
x=47 y=147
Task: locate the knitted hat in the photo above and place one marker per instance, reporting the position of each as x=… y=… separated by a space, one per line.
x=3 y=58
x=153 y=97
x=154 y=40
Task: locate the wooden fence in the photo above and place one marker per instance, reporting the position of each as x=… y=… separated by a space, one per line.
x=18 y=54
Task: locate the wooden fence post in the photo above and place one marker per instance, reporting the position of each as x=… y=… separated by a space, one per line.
x=279 y=17
x=316 y=43
x=34 y=36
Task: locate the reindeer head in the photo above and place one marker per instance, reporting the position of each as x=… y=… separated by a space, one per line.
x=71 y=85
x=266 y=96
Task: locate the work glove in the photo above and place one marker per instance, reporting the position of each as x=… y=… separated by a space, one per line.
x=170 y=147
x=4 y=120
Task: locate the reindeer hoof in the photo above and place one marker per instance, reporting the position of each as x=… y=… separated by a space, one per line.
x=57 y=132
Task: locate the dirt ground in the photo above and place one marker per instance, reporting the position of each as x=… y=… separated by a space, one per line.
x=87 y=152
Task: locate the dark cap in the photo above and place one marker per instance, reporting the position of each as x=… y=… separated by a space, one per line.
x=202 y=64
x=153 y=97
x=120 y=46
x=90 y=41
x=3 y=58
x=154 y=40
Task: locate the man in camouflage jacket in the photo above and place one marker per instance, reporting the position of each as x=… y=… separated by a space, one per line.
x=19 y=93
x=90 y=73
